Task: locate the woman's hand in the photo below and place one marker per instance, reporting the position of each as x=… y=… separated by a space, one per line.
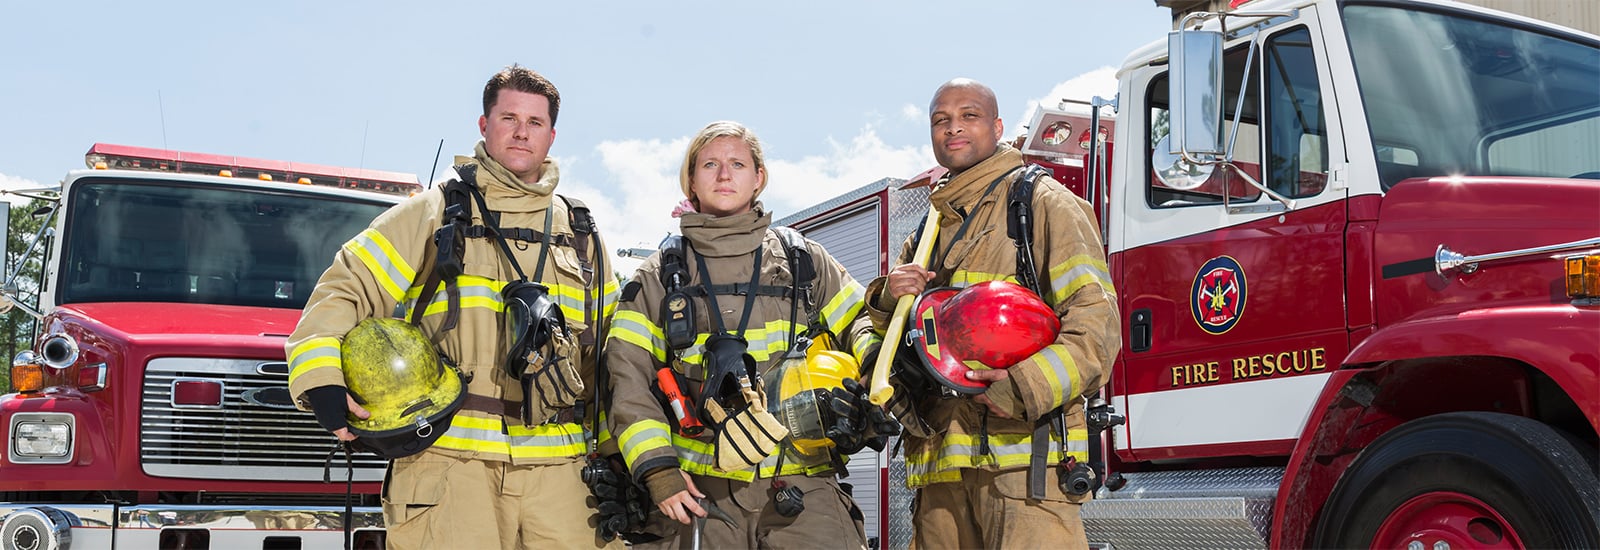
x=683 y=505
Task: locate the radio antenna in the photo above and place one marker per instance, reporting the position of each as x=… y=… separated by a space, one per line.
x=435 y=168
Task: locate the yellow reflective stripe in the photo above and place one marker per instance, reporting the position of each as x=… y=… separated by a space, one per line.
x=611 y=295
x=864 y=345
x=314 y=353
x=699 y=458
x=1056 y=362
x=635 y=328
x=641 y=436
x=485 y=293
x=491 y=436
x=765 y=342
x=571 y=299
x=1077 y=272
x=964 y=279
x=843 y=307
x=944 y=463
x=605 y=430
x=387 y=267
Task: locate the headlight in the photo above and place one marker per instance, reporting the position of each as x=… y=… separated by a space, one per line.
x=41 y=438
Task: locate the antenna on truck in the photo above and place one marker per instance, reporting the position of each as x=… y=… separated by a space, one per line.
x=435 y=163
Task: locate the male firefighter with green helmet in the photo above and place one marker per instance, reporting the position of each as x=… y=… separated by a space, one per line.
x=502 y=290
x=716 y=408
x=972 y=456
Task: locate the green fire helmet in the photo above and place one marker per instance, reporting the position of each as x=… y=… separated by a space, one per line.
x=393 y=370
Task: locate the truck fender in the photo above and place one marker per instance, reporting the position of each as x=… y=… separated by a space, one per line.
x=1558 y=341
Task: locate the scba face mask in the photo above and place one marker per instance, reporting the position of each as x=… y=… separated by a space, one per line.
x=543 y=352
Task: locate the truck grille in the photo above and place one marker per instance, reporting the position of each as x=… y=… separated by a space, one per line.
x=255 y=439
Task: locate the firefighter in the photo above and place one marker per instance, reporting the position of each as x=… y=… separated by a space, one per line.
x=693 y=326
x=516 y=308
x=968 y=456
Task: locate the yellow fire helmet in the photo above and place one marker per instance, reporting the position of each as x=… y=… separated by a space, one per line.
x=795 y=403
x=393 y=370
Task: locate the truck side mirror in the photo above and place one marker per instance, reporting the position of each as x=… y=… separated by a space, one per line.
x=1195 y=92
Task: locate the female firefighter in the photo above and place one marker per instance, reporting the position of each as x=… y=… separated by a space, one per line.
x=716 y=407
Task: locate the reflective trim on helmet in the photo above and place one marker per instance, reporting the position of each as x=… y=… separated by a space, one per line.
x=491 y=435
x=643 y=436
x=765 y=342
x=864 y=344
x=964 y=279
x=1077 y=272
x=313 y=354
x=635 y=328
x=843 y=307
x=944 y=464
x=1056 y=362
x=387 y=266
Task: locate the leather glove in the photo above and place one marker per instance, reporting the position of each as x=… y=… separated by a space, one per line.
x=329 y=405
x=622 y=504
x=856 y=422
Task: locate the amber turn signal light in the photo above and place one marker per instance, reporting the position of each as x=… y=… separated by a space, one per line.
x=27 y=378
x=1583 y=276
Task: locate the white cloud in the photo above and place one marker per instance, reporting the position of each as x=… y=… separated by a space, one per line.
x=634 y=206
x=798 y=184
x=913 y=113
x=1084 y=87
x=13 y=183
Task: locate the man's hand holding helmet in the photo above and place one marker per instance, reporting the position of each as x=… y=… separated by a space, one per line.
x=326 y=404
x=1002 y=397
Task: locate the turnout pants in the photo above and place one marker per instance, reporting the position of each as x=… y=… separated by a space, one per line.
x=431 y=500
x=991 y=510
x=831 y=519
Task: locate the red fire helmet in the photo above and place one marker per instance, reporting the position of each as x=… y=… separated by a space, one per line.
x=991 y=325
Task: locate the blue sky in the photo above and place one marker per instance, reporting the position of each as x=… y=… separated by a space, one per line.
x=838 y=91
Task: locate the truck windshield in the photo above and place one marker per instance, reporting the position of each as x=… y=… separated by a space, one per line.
x=1452 y=95
x=143 y=241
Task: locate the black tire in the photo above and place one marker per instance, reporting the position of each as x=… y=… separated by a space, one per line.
x=1512 y=479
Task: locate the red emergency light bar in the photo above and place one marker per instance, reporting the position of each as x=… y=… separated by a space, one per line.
x=127 y=157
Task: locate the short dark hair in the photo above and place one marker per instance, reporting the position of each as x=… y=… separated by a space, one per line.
x=521 y=79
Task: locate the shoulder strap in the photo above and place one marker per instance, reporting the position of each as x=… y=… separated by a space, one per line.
x=800 y=263
x=803 y=271
x=449 y=249
x=586 y=242
x=674 y=271
x=1019 y=225
x=677 y=310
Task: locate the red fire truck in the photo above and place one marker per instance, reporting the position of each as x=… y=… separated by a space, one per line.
x=1356 y=245
x=154 y=409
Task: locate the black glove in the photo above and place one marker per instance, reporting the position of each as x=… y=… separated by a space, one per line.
x=622 y=504
x=856 y=422
x=328 y=403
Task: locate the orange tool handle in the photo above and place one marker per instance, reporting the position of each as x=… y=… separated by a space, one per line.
x=689 y=424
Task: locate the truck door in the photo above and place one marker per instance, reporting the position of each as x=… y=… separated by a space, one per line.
x=1235 y=301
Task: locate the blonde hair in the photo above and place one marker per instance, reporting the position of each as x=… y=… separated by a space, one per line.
x=721 y=128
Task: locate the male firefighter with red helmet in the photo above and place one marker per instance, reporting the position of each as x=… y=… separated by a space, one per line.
x=715 y=408
x=519 y=319
x=1018 y=386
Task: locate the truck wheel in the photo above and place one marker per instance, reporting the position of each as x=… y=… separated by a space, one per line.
x=1468 y=480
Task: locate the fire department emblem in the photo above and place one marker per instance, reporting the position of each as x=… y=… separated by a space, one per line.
x=1218 y=294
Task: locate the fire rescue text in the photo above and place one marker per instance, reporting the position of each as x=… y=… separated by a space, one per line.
x=1286 y=363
